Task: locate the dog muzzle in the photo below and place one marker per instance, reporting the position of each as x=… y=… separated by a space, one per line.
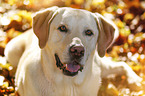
x=69 y=69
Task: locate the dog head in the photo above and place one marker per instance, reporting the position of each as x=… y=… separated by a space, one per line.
x=72 y=36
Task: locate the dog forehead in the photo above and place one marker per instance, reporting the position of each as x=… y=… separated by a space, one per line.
x=75 y=15
x=70 y=12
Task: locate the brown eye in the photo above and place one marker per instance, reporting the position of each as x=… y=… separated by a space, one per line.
x=62 y=28
x=88 y=32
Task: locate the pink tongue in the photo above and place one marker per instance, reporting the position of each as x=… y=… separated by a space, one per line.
x=72 y=67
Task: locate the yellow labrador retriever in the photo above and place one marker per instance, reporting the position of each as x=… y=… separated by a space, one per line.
x=60 y=56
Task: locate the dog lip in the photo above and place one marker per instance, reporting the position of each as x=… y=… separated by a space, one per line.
x=70 y=69
x=68 y=73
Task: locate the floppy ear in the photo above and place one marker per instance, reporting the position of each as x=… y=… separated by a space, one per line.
x=41 y=22
x=106 y=33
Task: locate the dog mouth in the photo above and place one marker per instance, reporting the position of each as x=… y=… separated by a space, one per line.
x=70 y=69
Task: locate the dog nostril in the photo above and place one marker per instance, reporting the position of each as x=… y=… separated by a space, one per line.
x=73 y=50
x=82 y=52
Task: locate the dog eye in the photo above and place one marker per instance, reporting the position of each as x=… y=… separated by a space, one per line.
x=62 y=28
x=89 y=33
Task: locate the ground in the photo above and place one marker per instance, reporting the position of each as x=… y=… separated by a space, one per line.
x=128 y=15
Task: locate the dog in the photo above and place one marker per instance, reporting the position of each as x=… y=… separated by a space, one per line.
x=63 y=54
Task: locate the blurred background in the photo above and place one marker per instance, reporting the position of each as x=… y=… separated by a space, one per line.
x=128 y=15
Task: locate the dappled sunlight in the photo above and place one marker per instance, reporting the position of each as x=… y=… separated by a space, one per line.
x=128 y=15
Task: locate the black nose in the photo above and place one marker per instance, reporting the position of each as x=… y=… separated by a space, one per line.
x=77 y=51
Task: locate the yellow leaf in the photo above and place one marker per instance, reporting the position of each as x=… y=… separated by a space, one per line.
x=79 y=2
x=16 y=17
x=112 y=90
x=13 y=33
x=96 y=2
x=6 y=66
x=11 y=2
x=68 y=2
x=6 y=84
x=125 y=31
x=119 y=23
x=136 y=68
x=128 y=16
x=26 y=15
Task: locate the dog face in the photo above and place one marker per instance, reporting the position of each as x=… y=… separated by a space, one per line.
x=72 y=35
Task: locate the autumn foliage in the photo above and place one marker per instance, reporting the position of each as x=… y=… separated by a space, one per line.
x=128 y=15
